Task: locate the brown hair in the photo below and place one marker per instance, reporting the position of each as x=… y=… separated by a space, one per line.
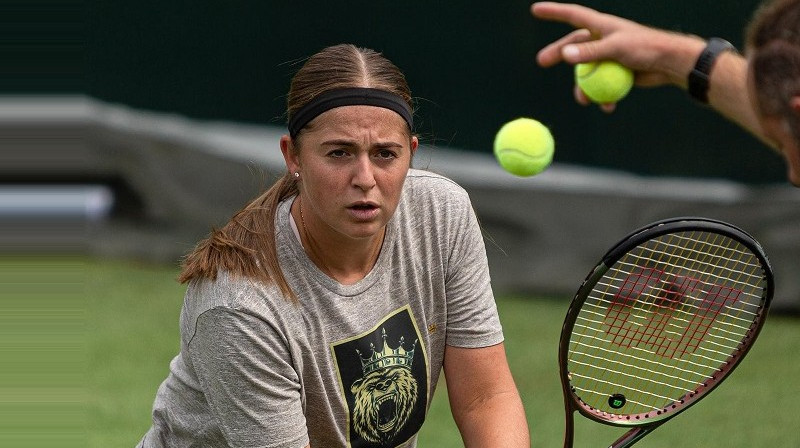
x=245 y=246
x=773 y=41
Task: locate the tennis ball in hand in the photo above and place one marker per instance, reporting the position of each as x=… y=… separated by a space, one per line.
x=605 y=81
x=524 y=147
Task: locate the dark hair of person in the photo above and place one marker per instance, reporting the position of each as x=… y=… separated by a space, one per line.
x=773 y=43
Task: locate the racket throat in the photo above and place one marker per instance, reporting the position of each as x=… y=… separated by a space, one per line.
x=633 y=436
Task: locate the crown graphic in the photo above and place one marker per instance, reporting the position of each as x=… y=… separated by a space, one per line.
x=387 y=357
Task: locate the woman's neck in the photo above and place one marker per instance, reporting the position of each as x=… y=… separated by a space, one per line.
x=345 y=261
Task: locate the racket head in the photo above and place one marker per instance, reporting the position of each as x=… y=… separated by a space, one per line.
x=667 y=314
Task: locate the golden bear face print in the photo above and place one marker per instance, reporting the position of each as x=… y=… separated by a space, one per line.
x=383 y=402
x=384 y=380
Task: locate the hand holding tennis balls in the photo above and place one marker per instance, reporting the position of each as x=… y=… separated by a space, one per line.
x=604 y=82
x=524 y=147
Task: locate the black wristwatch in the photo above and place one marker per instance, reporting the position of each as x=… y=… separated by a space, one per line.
x=698 y=77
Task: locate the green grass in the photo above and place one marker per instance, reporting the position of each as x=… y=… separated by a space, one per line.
x=43 y=352
x=131 y=327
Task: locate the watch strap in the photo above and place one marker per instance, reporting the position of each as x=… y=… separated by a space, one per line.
x=700 y=74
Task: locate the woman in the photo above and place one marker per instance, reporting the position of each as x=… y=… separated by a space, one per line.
x=761 y=92
x=323 y=312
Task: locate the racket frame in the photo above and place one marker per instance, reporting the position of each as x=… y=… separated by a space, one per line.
x=642 y=424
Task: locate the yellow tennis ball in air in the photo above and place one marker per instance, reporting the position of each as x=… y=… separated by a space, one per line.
x=524 y=147
x=604 y=81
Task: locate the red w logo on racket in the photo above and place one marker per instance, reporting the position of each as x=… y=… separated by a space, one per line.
x=664 y=313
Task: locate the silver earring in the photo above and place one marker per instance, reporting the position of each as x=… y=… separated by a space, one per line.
x=296 y=174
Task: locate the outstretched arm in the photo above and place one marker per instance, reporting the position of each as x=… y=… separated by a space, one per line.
x=657 y=57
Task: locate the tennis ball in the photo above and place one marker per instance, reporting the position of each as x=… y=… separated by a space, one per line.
x=524 y=147
x=605 y=81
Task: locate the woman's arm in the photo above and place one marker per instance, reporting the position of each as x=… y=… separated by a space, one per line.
x=252 y=389
x=484 y=400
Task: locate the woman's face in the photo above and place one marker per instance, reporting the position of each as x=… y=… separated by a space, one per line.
x=352 y=162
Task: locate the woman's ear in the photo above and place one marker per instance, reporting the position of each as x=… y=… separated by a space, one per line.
x=289 y=154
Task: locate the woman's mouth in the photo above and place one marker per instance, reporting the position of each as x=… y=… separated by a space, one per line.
x=363 y=211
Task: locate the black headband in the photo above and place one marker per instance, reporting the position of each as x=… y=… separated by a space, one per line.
x=350 y=96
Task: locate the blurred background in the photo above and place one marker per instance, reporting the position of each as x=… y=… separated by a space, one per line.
x=471 y=66
x=129 y=129
x=158 y=120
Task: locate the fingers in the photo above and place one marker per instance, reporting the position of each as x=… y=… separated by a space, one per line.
x=591 y=50
x=552 y=53
x=576 y=15
x=584 y=100
x=576 y=47
x=581 y=97
x=608 y=107
x=588 y=43
x=599 y=35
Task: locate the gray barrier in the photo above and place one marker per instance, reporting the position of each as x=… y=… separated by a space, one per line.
x=543 y=233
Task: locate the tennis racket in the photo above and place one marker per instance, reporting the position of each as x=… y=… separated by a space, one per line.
x=660 y=322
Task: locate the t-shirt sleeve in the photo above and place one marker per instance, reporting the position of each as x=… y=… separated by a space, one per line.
x=243 y=366
x=472 y=319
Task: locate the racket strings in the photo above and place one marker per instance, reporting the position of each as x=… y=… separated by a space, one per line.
x=657 y=332
x=663 y=319
x=721 y=268
x=637 y=393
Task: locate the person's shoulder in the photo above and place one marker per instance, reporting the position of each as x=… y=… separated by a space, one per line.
x=429 y=193
x=422 y=180
x=234 y=292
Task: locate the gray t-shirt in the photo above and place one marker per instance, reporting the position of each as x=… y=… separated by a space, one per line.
x=349 y=365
